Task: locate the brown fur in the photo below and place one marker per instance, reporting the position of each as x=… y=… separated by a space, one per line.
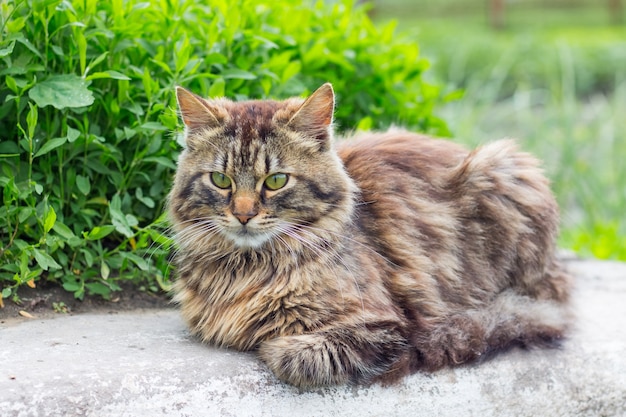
x=388 y=253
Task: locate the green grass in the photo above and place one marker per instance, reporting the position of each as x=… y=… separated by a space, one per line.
x=518 y=15
x=556 y=80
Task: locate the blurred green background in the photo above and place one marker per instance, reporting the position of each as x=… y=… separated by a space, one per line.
x=551 y=73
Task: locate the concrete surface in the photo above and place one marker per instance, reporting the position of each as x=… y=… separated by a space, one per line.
x=145 y=364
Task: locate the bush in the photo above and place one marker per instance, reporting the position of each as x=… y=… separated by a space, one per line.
x=87 y=110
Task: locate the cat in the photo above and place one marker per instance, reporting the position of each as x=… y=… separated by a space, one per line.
x=361 y=260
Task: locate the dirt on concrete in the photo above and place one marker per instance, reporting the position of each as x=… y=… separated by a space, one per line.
x=50 y=301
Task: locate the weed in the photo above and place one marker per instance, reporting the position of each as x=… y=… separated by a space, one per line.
x=60 y=307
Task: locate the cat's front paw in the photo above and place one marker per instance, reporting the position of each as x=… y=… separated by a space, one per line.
x=306 y=360
x=356 y=354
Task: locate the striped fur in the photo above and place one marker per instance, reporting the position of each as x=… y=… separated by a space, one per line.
x=384 y=254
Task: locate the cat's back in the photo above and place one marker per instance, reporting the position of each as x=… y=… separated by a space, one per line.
x=402 y=165
x=404 y=202
x=432 y=205
x=384 y=158
x=403 y=175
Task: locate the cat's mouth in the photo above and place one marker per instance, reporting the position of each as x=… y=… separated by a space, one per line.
x=245 y=237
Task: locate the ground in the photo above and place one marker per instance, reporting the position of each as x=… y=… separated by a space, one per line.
x=52 y=301
x=146 y=364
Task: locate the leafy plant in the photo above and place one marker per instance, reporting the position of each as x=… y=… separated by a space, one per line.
x=87 y=113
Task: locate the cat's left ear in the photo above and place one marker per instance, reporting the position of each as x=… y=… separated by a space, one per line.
x=315 y=117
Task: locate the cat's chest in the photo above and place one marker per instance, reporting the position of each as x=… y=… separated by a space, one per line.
x=241 y=311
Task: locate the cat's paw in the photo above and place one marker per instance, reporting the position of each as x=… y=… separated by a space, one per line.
x=306 y=360
x=355 y=354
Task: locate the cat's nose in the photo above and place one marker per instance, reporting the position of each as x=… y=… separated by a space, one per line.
x=244 y=209
x=244 y=218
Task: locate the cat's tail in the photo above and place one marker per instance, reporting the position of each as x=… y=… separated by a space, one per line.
x=509 y=320
x=514 y=318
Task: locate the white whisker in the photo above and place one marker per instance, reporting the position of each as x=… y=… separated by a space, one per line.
x=316 y=243
x=343 y=236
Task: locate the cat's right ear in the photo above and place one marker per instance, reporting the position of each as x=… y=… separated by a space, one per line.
x=197 y=112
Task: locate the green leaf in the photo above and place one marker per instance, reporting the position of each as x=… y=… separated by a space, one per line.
x=72 y=134
x=118 y=219
x=239 y=74
x=88 y=257
x=24 y=41
x=99 y=232
x=161 y=160
x=72 y=286
x=24 y=261
x=63 y=231
x=62 y=91
x=292 y=69
x=365 y=124
x=57 y=50
x=160 y=239
x=31 y=120
x=137 y=260
x=98 y=60
x=45 y=261
x=107 y=74
x=147 y=83
x=81 y=43
x=50 y=145
x=79 y=294
x=104 y=270
x=8 y=50
x=10 y=81
x=218 y=88
x=215 y=58
x=147 y=201
x=6 y=292
x=7 y=147
x=131 y=220
x=83 y=184
x=50 y=219
x=151 y=126
x=98 y=288
x=25 y=214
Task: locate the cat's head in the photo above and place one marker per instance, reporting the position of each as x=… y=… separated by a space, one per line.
x=258 y=174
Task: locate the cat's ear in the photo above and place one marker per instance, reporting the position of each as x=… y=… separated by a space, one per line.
x=315 y=117
x=198 y=112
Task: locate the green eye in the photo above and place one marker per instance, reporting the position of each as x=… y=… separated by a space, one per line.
x=276 y=181
x=220 y=180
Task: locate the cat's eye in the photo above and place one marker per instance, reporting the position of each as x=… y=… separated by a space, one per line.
x=220 y=180
x=276 y=181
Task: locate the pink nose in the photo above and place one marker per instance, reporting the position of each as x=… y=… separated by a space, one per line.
x=244 y=208
x=244 y=218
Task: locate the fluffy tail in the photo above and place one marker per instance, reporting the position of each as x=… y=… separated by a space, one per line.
x=510 y=319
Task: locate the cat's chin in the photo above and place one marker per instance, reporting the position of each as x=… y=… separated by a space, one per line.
x=249 y=240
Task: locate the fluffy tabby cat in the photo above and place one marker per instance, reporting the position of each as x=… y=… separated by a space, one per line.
x=360 y=261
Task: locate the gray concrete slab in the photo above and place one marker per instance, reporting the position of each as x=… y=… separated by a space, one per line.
x=146 y=364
